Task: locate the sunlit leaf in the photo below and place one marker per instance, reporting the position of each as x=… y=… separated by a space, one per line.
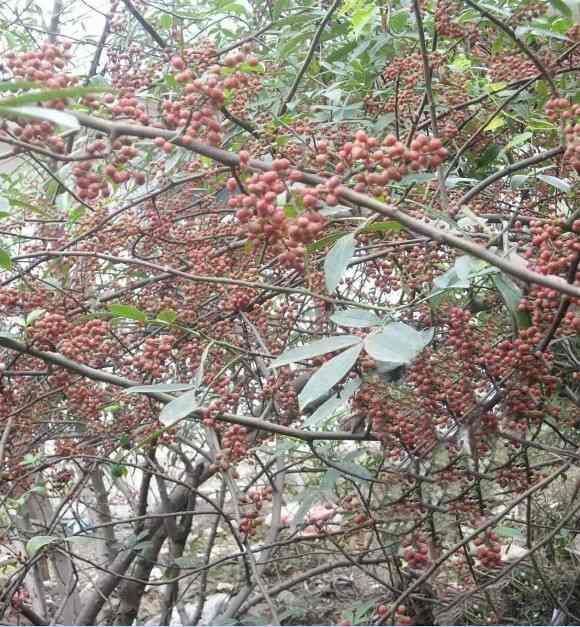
x=37 y=543
x=5 y=260
x=60 y=118
x=328 y=375
x=556 y=182
x=337 y=260
x=159 y=387
x=128 y=311
x=181 y=407
x=314 y=349
x=397 y=342
x=355 y=318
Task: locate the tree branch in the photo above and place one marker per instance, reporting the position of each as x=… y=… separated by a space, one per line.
x=313 y=45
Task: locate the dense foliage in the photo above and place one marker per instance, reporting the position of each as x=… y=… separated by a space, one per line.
x=290 y=291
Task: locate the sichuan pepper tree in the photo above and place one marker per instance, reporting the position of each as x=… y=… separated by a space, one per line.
x=290 y=288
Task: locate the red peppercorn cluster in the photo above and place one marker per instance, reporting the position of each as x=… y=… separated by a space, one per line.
x=9 y=298
x=416 y=551
x=528 y=12
x=87 y=341
x=390 y=159
x=410 y=68
x=234 y=439
x=238 y=299
x=488 y=550
x=401 y=614
x=155 y=355
x=282 y=390
x=43 y=66
x=253 y=502
x=48 y=330
x=264 y=220
x=444 y=23
x=562 y=109
x=573 y=33
x=503 y=68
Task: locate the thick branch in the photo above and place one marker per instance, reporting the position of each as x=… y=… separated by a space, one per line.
x=106 y=377
x=418 y=226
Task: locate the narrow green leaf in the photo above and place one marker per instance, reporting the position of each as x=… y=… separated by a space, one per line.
x=398 y=343
x=128 y=311
x=5 y=260
x=50 y=94
x=337 y=260
x=511 y=295
x=561 y=7
x=356 y=318
x=314 y=349
x=16 y=85
x=328 y=375
x=382 y=227
x=307 y=500
x=181 y=407
x=166 y=21
x=167 y=315
x=60 y=118
x=556 y=182
x=159 y=387
x=352 y=470
x=38 y=542
x=334 y=405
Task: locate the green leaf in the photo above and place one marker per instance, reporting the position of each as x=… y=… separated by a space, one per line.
x=362 y=16
x=540 y=32
x=337 y=260
x=561 y=7
x=5 y=260
x=307 y=500
x=356 y=318
x=520 y=139
x=497 y=122
x=509 y=532
x=50 y=94
x=314 y=349
x=556 y=182
x=334 y=405
x=352 y=470
x=17 y=85
x=464 y=266
x=167 y=315
x=512 y=295
x=519 y=180
x=323 y=242
x=398 y=343
x=383 y=227
x=166 y=21
x=38 y=542
x=181 y=407
x=128 y=311
x=159 y=387
x=488 y=156
x=60 y=118
x=328 y=375
x=118 y=471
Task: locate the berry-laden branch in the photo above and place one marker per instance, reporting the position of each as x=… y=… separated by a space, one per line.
x=491 y=522
x=56 y=359
x=506 y=29
x=419 y=226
